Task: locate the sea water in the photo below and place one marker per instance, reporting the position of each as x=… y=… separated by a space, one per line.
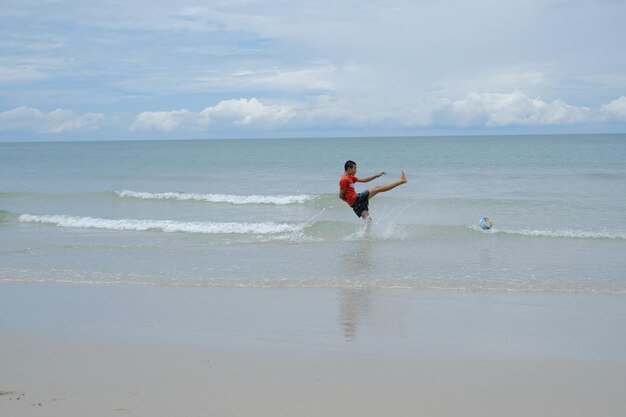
x=266 y=213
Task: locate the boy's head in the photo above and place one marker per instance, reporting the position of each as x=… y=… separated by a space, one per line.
x=349 y=165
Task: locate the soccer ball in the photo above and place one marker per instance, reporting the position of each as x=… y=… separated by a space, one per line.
x=485 y=223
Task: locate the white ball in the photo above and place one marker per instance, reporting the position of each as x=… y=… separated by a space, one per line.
x=485 y=223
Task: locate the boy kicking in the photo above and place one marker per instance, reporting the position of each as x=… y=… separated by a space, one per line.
x=359 y=202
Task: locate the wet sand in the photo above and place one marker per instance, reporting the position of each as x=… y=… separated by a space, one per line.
x=71 y=350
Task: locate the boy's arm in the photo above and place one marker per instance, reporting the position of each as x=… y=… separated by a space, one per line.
x=373 y=177
x=342 y=195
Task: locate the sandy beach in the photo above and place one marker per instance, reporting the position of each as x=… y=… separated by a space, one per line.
x=77 y=379
x=71 y=350
x=292 y=209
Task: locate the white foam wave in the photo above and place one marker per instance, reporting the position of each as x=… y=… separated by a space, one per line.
x=267 y=228
x=279 y=200
x=569 y=234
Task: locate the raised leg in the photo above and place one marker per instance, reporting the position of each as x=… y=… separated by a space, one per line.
x=387 y=187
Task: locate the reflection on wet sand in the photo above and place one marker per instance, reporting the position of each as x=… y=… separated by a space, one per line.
x=363 y=306
x=354 y=308
x=356 y=266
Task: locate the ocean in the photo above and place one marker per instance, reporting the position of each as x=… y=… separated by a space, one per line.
x=266 y=213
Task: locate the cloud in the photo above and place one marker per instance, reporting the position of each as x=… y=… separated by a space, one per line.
x=485 y=110
x=615 y=111
x=12 y=74
x=313 y=65
x=28 y=119
x=239 y=113
x=512 y=109
x=475 y=110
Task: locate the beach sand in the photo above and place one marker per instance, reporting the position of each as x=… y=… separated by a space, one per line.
x=72 y=350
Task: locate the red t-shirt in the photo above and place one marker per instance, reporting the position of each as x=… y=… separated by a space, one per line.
x=346 y=183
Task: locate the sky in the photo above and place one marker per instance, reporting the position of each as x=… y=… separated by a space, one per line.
x=119 y=69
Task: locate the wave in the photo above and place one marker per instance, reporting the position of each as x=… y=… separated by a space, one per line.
x=4 y=215
x=279 y=200
x=267 y=228
x=314 y=228
x=566 y=234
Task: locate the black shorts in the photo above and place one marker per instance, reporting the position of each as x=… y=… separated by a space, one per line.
x=361 y=203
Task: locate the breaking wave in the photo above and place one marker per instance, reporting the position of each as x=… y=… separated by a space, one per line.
x=320 y=230
x=566 y=234
x=279 y=200
x=267 y=228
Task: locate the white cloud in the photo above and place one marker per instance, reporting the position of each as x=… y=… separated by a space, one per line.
x=476 y=110
x=244 y=112
x=28 y=119
x=163 y=120
x=227 y=113
x=512 y=109
x=486 y=110
x=615 y=111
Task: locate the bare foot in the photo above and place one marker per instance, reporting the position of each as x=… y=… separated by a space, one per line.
x=403 y=178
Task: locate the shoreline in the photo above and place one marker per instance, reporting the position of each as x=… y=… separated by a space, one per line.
x=71 y=350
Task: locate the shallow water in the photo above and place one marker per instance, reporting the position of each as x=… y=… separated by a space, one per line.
x=265 y=213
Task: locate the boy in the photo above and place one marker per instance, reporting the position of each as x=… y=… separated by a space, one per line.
x=359 y=202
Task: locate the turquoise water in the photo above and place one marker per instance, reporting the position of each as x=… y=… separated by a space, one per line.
x=265 y=213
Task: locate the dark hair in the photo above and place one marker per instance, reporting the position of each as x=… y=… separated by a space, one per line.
x=348 y=165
